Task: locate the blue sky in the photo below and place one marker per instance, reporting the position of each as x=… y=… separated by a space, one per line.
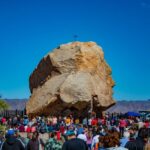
x=29 y=29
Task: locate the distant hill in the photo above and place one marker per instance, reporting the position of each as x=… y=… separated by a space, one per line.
x=125 y=106
x=121 y=106
x=18 y=104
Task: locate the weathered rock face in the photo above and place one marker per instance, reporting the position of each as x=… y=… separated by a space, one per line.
x=69 y=78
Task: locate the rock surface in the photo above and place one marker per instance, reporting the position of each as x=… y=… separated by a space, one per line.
x=70 y=78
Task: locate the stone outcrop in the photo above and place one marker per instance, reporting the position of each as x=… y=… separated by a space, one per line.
x=73 y=76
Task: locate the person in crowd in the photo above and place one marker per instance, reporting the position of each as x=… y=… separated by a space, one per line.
x=20 y=138
x=89 y=139
x=3 y=120
x=35 y=143
x=11 y=142
x=25 y=120
x=95 y=140
x=2 y=139
x=82 y=136
x=28 y=129
x=109 y=142
x=139 y=142
x=85 y=121
x=68 y=121
x=77 y=121
x=134 y=134
x=33 y=128
x=74 y=143
x=122 y=125
x=21 y=128
x=80 y=129
x=147 y=146
x=28 y=138
x=53 y=143
x=125 y=138
x=146 y=123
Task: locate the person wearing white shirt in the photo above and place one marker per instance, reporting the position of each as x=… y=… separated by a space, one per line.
x=95 y=141
x=82 y=136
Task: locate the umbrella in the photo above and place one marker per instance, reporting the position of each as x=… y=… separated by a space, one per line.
x=133 y=114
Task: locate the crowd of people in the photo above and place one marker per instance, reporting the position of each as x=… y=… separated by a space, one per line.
x=110 y=132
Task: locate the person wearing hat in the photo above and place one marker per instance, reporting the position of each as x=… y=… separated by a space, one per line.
x=74 y=143
x=11 y=143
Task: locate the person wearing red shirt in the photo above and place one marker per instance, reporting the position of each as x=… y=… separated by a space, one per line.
x=122 y=125
x=94 y=122
x=28 y=129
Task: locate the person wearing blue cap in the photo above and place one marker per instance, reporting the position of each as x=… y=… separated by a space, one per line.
x=11 y=142
x=10 y=132
x=70 y=133
x=74 y=143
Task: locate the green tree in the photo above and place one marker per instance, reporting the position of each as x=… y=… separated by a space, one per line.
x=3 y=105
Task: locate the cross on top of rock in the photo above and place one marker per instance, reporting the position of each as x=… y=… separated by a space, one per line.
x=75 y=37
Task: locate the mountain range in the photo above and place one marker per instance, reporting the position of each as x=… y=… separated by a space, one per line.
x=120 y=106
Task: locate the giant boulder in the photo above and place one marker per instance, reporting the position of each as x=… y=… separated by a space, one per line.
x=73 y=77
